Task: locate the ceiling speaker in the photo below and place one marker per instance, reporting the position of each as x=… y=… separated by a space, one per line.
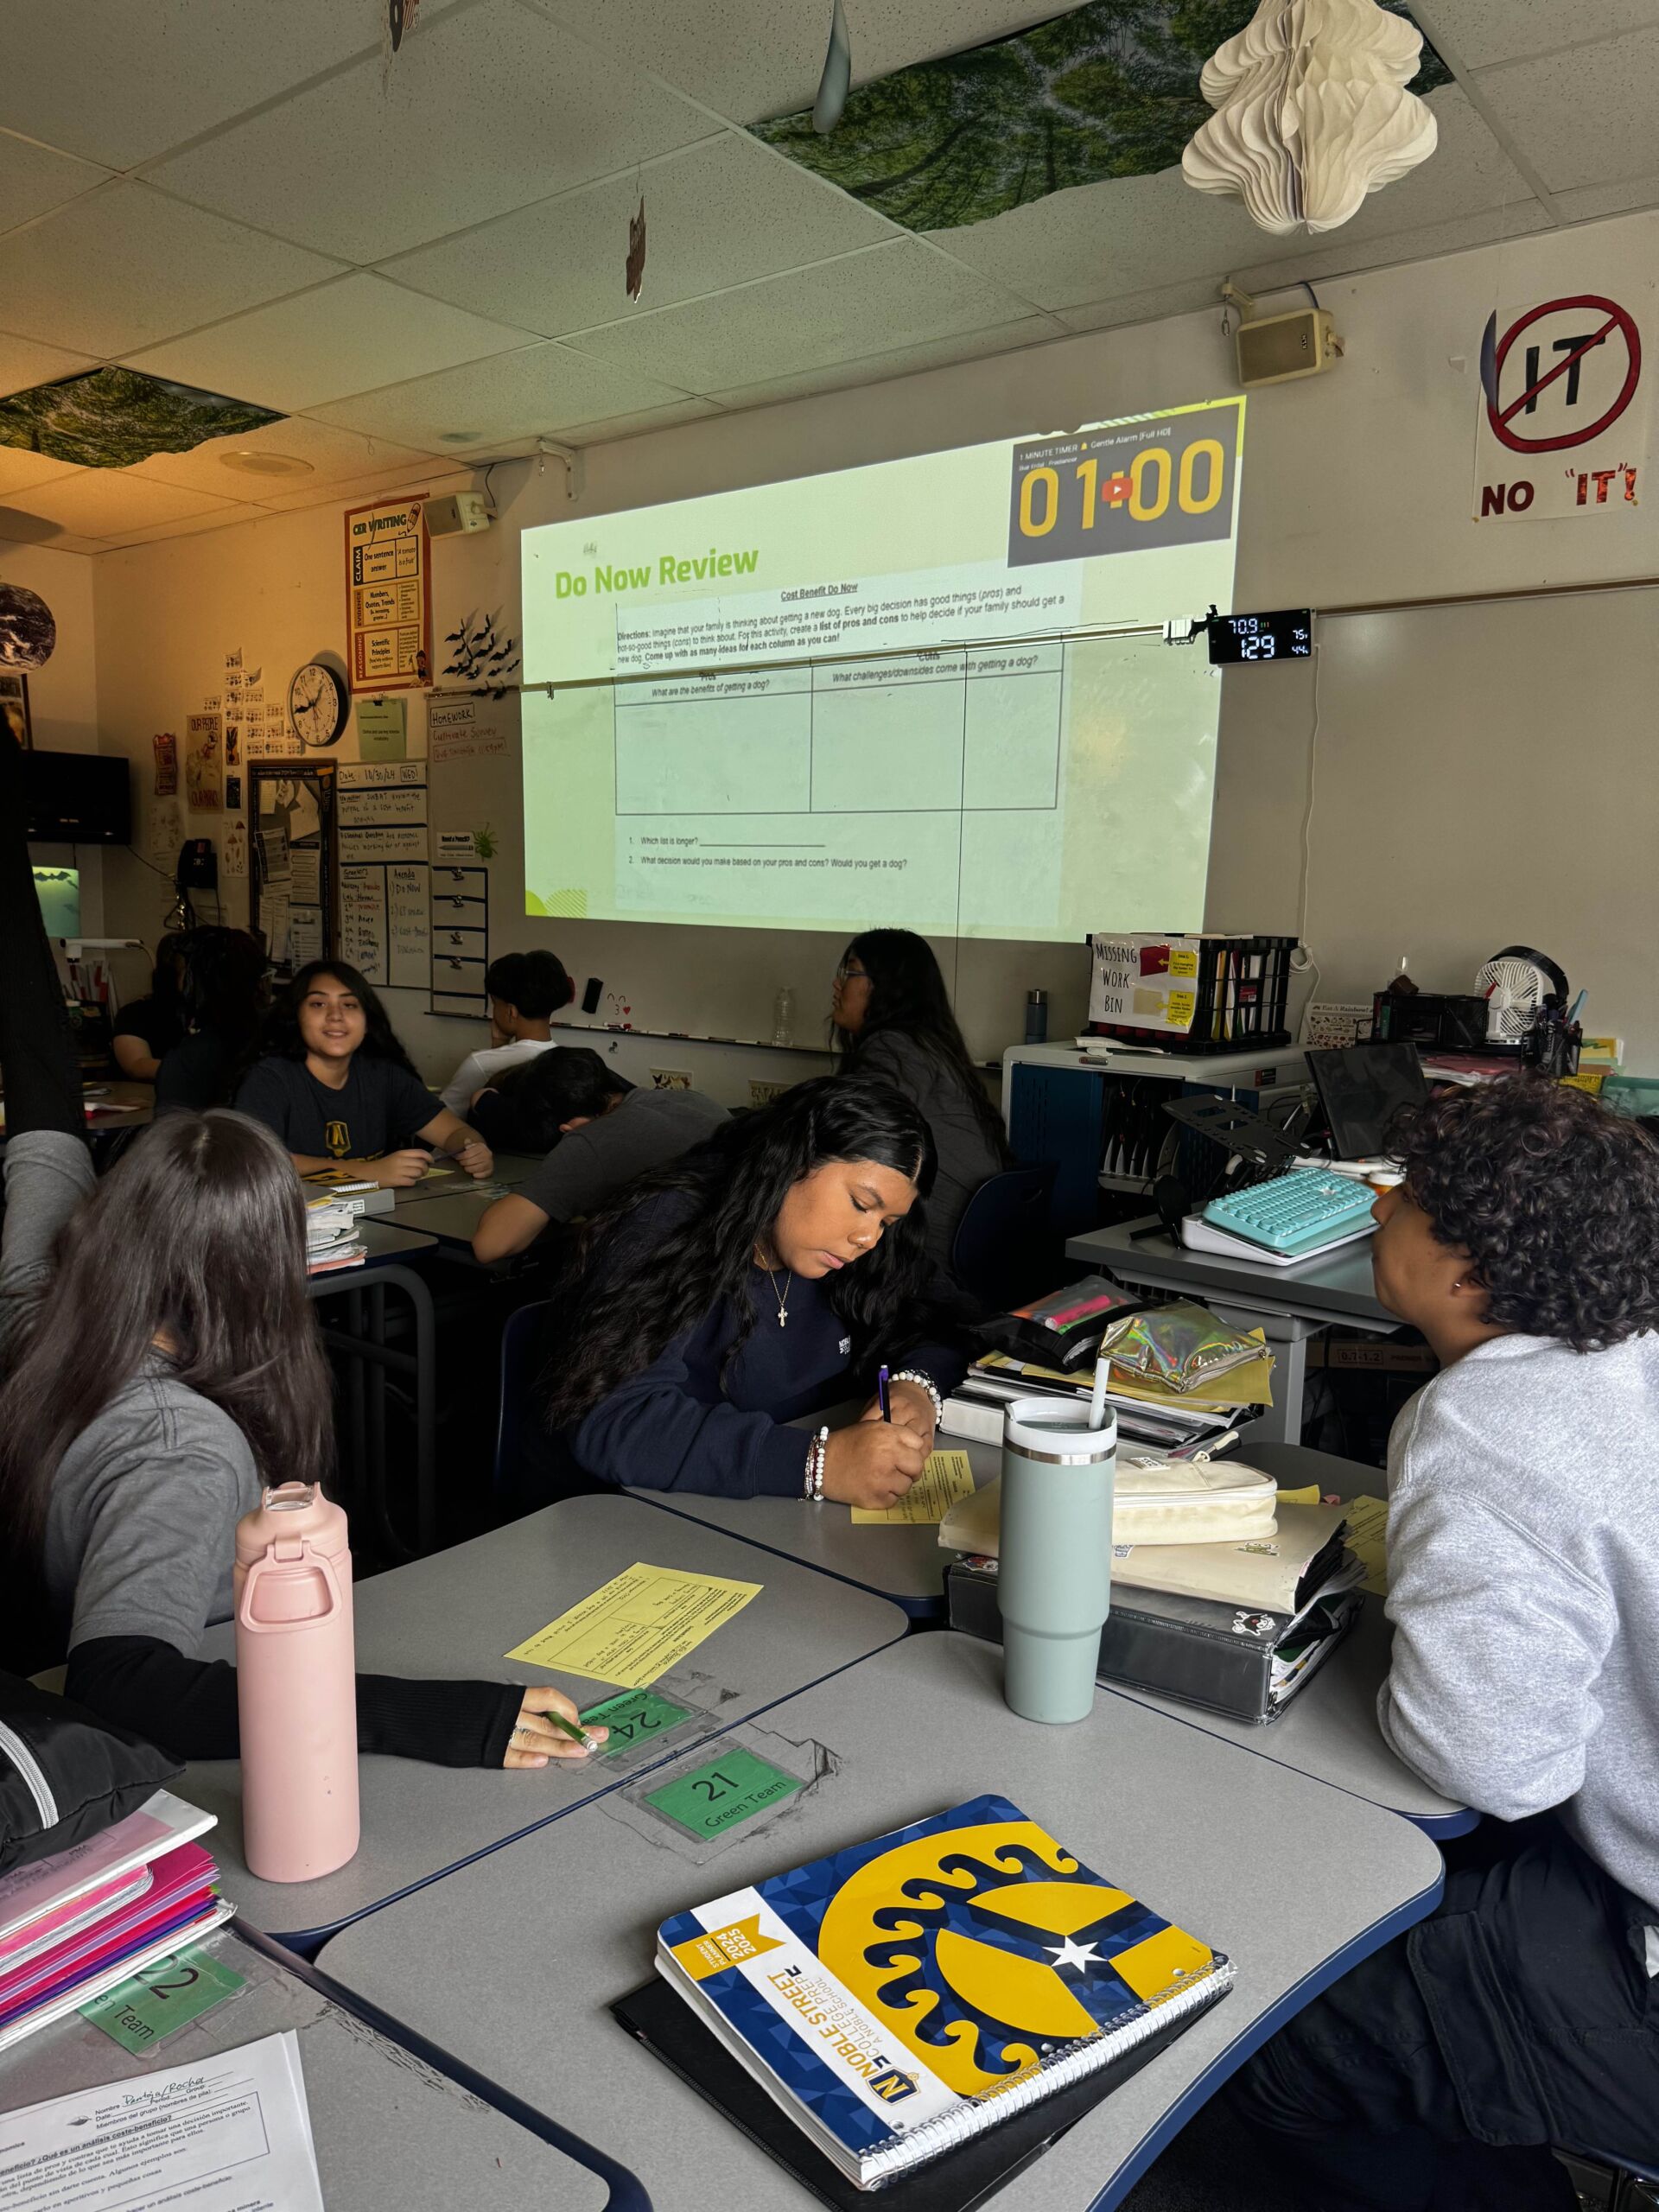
x=1277 y=348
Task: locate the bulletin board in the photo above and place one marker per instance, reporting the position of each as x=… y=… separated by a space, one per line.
x=291 y=878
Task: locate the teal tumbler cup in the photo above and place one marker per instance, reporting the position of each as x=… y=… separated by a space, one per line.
x=1054 y=1580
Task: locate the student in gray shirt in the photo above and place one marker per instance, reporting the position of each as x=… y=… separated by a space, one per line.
x=1523 y=1588
x=602 y=1133
x=892 y=1017
x=159 y=1362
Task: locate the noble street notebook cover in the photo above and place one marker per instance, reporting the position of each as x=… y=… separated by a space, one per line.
x=898 y=1999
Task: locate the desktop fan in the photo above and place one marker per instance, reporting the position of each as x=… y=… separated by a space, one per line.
x=1516 y=983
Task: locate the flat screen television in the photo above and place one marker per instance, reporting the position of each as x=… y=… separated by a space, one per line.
x=78 y=798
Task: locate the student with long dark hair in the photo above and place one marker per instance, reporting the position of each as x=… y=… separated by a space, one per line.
x=1523 y=1587
x=222 y=996
x=334 y=1084
x=892 y=1016
x=757 y=1278
x=159 y=1362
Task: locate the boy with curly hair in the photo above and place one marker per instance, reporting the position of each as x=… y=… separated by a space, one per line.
x=1523 y=1567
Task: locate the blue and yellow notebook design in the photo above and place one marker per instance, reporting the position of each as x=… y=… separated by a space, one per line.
x=899 y=1997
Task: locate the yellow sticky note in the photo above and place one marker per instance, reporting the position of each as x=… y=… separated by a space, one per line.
x=1183 y=1005
x=636 y=1627
x=1368 y=1530
x=1311 y=1496
x=1184 y=961
x=947 y=1477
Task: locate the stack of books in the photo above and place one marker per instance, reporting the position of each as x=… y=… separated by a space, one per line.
x=1179 y=1423
x=77 y=1924
x=331 y=1239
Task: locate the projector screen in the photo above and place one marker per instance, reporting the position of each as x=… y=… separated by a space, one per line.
x=870 y=696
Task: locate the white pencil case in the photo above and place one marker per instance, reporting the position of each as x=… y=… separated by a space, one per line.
x=1199 y=1501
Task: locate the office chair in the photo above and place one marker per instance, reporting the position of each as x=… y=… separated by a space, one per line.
x=520 y=1340
x=1004 y=1250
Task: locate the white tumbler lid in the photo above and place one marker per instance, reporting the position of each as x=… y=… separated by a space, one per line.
x=1055 y=1434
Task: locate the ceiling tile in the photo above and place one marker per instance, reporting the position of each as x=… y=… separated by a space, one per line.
x=333 y=456
x=754 y=59
x=1149 y=306
x=609 y=427
x=906 y=360
x=487 y=109
x=18 y=470
x=1480 y=32
x=23 y=364
x=1585 y=117
x=184 y=526
x=126 y=266
x=717 y=215
x=34 y=179
x=808 y=318
x=537 y=392
x=343 y=338
x=98 y=502
x=122 y=80
x=1586 y=205
x=419 y=476
x=1128 y=235
x=1319 y=258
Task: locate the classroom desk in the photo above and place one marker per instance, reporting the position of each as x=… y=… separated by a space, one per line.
x=1295 y=1880
x=393 y=2129
x=903 y=1564
x=1289 y=1304
x=453 y=1616
x=370 y=1356
x=509 y=1170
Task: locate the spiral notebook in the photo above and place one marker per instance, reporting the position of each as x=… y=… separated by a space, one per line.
x=898 y=1999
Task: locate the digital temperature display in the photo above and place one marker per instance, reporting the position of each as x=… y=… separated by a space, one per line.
x=1285 y=635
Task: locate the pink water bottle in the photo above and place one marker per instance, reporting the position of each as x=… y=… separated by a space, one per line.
x=296 y=1689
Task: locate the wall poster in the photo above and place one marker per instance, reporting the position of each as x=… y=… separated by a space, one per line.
x=389 y=596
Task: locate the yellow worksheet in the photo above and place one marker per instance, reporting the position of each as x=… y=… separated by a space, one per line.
x=637 y=1625
x=1368 y=1528
x=947 y=1477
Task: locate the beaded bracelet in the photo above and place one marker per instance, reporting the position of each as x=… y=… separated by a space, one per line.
x=813 y=1488
x=923 y=1383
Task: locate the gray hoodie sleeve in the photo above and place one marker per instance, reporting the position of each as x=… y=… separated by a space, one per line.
x=47 y=1175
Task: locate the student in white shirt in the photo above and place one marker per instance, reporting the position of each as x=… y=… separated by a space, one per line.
x=527 y=990
x=1523 y=1573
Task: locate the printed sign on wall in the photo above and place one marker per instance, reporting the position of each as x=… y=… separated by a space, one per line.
x=1563 y=427
x=388 y=596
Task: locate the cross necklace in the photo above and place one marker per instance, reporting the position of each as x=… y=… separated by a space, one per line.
x=781 y=1296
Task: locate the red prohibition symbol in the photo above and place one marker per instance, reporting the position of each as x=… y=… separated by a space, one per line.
x=1615 y=318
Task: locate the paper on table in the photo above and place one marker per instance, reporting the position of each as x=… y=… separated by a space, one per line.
x=947 y=1477
x=1368 y=1530
x=637 y=1625
x=230 y=2133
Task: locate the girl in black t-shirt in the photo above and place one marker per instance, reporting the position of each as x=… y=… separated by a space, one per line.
x=340 y=1091
x=149 y=1028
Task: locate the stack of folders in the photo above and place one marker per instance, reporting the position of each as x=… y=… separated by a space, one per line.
x=78 y=1923
x=331 y=1239
x=1018 y=1989
x=1179 y=1423
x=1239 y=1629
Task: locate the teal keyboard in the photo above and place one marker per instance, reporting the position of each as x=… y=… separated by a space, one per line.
x=1295 y=1213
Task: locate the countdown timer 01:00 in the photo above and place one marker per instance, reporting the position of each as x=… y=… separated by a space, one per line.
x=1167 y=481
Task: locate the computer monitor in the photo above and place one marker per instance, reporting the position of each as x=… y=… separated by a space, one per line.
x=58 y=890
x=1363 y=1088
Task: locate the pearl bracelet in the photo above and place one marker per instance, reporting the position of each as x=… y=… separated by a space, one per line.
x=813 y=1489
x=923 y=1383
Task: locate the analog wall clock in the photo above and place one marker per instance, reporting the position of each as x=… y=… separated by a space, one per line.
x=318 y=705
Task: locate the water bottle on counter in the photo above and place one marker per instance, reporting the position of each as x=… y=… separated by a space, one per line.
x=1036 y=1017
x=1054 y=1580
x=296 y=1685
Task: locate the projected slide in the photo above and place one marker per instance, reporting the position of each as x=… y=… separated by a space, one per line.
x=864 y=696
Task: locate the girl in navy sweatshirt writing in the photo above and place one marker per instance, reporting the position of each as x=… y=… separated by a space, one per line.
x=759 y=1278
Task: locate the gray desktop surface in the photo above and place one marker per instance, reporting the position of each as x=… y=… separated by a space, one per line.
x=452 y=1617
x=904 y=1564
x=1296 y=1881
x=507 y=1169
x=1335 y=1288
x=383 y=1239
x=1329 y=1730
x=392 y=2132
